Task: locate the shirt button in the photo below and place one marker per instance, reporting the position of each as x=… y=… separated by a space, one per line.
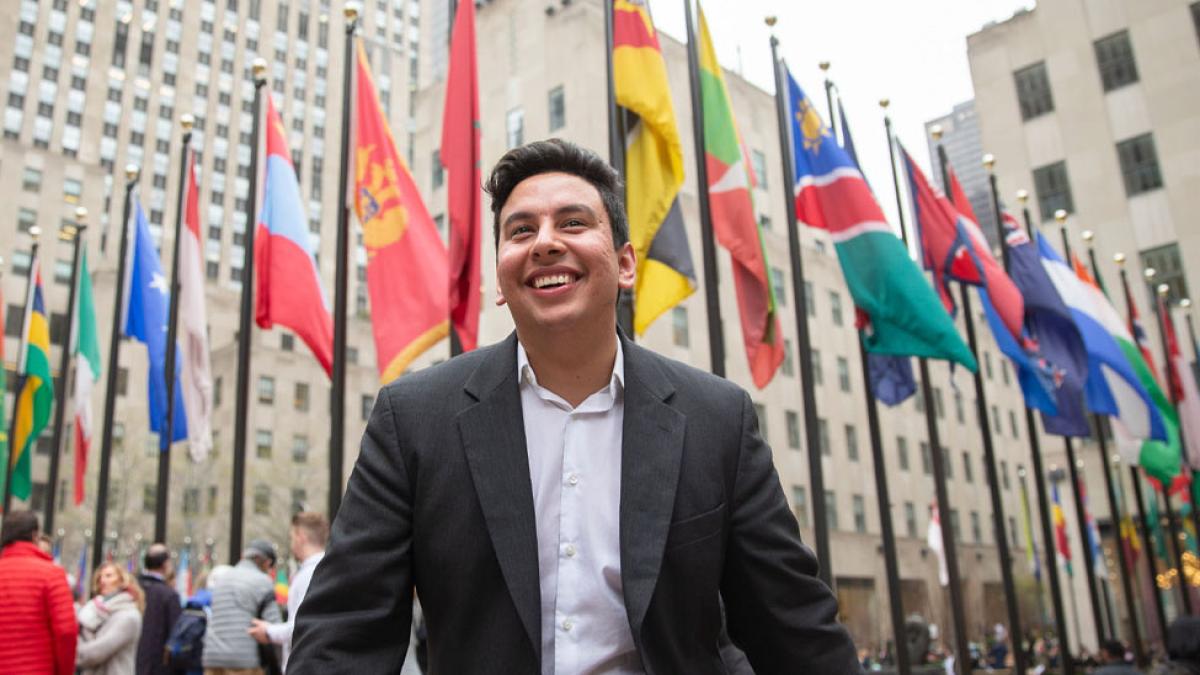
x=567 y=625
x=569 y=550
x=573 y=479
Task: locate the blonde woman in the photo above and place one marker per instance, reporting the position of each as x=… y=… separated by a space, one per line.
x=110 y=623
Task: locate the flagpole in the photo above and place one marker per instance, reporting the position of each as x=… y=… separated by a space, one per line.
x=712 y=303
x=34 y=233
x=824 y=66
x=803 y=341
x=891 y=560
x=241 y=410
x=1025 y=513
x=957 y=611
x=337 y=394
x=73 y=233
x=616 y=156
x=168 y=425
x=1060 y=617
x=1113 y=506
x=1186 y=305
x=114 y=358
x=1159 y=608
x=1175 y=526
x=1073 y=466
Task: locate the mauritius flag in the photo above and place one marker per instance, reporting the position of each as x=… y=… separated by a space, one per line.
x=733 y=218
x=902 y=314
x=35 y=393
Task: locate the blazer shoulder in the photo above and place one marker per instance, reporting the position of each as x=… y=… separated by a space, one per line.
x=686 y=379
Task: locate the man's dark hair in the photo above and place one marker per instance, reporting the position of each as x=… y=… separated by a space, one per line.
x=156 y=556
x=19 y=525
x=556 y=155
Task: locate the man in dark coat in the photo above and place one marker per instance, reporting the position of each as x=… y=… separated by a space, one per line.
x=162 y=609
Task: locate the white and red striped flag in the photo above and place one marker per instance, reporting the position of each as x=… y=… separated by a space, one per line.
x=196 y=373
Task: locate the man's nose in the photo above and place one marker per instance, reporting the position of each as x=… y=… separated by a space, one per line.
x=547 y=241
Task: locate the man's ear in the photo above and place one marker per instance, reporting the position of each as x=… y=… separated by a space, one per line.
x=626 y=266
x=500 y=301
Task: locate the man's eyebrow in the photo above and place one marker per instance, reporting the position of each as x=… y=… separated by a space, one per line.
x=558 y=213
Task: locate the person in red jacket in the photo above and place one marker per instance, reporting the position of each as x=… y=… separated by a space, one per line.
x=37 y=616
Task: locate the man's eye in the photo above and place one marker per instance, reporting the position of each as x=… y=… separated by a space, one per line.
x=574 y=222
x=520 y=229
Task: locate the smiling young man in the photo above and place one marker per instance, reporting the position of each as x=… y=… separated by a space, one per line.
x=566 y=501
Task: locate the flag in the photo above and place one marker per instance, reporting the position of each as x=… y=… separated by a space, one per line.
x=1035 y=375
x=953 y=247
x=653 y=166
x=1183 y=389
x=892 y=380
x=145 y=313
x=1031 y=556
x=461 y=156
x=288 y=281
x=933 y=538
x=35 y=388
x=281 y=586
x=1051 y=323
x=81 y=574
x=407 y=267
x=1093 y=534
x=1060 y=530
x=898 y=311
x=1112 y=386
x=733 y=219
x=1130 y=542
x=1138 y=331
x=183 y=575
x=196 y=374
x=87 y=372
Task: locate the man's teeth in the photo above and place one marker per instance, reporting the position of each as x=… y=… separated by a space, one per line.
x=551 y=280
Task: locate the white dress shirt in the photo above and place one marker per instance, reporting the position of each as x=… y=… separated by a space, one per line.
x=575 y=468
x=281 y=633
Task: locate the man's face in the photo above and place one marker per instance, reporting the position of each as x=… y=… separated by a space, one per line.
x=556 y=265
x=295 y=541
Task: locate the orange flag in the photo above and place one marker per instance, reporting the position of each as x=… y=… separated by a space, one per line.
x=407 y=268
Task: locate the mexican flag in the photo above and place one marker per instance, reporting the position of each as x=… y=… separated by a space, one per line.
x=87 y=372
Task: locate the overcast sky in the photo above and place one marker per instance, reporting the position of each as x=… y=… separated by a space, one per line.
x=914 y=53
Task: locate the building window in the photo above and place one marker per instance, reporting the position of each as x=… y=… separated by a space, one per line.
x=1196 y=18
x=761 y=412
x=926 y=459
x=968 y=469
x=976 y=531
x=910 y=520
x=262 y=443
x=777 y=286
x=300 y=449
x=26 y=218
x=831 y=510
x=1139 y=164
x=1033 y=91
x=212 y=500
x=365 y=404
x=860 y=514
x=558 y=108
x=1169 y=267
x=439 y=174
x=959 y=413
x=149 y=498
x=515 y=126
x=299 y=500
x=300 y=397
x=31 y=181
x=1053 y=189
x=810 y=304
x=287 y=341
x=262 y=500
x=835 y=307
x=758 y=162
x=949 y=466
x=793 y=429
x=788 y=366
x=851 y=442
x=823 y=436
x=1004 y=474
x=1114 y=56
x=679 y=326
x=800 y=505
x=954 y=525
x=191 y=501
x=814 y=360
x=902 y=452
x=266 y=388
x=843 y=368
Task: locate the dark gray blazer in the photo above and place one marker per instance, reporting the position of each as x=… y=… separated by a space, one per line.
x=441 y=499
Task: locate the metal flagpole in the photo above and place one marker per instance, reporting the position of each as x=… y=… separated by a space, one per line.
x=1073 y=466
x=245 y=326
x=337 y=395
x=73 y=233
x=1039 y=473
x=712 y=303
x=957 y=611
x=114 y=358
x=1114 y=506
x=616 y=156
x=168 y=426
x=1159 y=609
x=34 y=233
x=803 y=343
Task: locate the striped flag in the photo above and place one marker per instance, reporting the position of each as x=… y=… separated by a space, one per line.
x=1063 y=546
x=35 y=391
x=195 y=377
x=653 y=166
x=1183 y=389
x=933 y=539
x=87 y=373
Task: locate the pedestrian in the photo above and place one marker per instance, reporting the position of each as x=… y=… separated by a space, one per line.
x=1183 y=647
x=37 y=614
x=240 y=594
x=110 y=623
x=162 y=610
x=308 y=535
x=565 y=500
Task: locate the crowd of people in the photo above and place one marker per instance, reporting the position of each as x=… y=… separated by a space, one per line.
x=138 y=624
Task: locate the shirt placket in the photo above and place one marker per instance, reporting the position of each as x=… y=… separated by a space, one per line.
x=569 y=573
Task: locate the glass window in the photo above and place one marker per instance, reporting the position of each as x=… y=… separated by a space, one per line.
x=949 y=466
x=1139 y=164
x=439 y=174
x=800 y=504
x=32 y=181
x=1114 y=56
x=72 y=190
x=262 y=443
x=1053 y=189
x=777 y=286
x=954 y=525
x=976 y=531
x=191 y=501
x=835 y=307
x=902 y=452
x=515 y=127
x=262 y=500
x=843 y=368
x=299 y=500
x=810 y=304
x=679 y=326
x=1033 y=91
x=149 y=498
x=793 y=429
x=958 y=407
x=266 y=388
x=818 y=374
x=557 y=101
x=910 y=520
x=823 y=436
x=761 y=412
x=300 y=448
x=300 y=397
x=851 y=442
x=365 y=404
x=1169 y=267
x=860 y=514
x=1004 y=474
x=926 y=459
x=759 y=163
x=831 y=510
x=968 y=469
x=26 y=218
x=287 y=341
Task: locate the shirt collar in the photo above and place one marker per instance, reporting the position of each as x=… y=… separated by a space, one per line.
x=616 y=383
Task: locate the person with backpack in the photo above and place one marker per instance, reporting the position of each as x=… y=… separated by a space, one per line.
x=245 y=592
x=162 y=611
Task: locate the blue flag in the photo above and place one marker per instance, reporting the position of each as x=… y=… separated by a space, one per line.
x=1035 y=373
x=892 y=380
x=146 y=322
x=1049 y=321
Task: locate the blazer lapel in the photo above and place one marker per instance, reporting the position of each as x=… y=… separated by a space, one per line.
x=651 y=450
x=493 y=438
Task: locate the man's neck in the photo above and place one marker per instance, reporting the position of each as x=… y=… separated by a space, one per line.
x=307 y=553
x=571 y=368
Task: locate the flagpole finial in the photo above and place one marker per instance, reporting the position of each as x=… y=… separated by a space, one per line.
x=1061 y=216
x=1088 y=236
x=1185 y=303
x=81 y=214
x=771 y=20
x=351 y=12
x=884 y=103
x=1164 y=289
x=1021 y=472
x=1119 y=258
x=1022 y=196
x=131 y=172
x=824 y=66
x=1149 y=273
x=936 y=132
x=35 y=232
x=989 y=161
x=186 y=121
x=260 y=69
x=1116 y=458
